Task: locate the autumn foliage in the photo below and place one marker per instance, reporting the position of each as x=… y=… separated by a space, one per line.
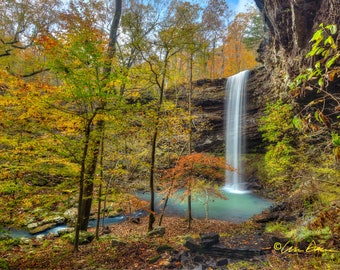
x=197 y=166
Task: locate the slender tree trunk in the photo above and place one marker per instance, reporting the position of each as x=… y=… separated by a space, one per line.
x=105 y=200
x=166 y=202
x=189 y=210
x=90 y=171
x=81 y=183
x=161 y=86
x=151 y=180
x=190 y=137
x=101 y=183
x=206 y=204
x=99 y=210
x=164 y=207
x=111 y=50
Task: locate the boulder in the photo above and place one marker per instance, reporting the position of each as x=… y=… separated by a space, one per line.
x=116 y=242
x=157 y=231
x=42 y=228
x=191 y=244
x=84 y=237
x=71 y=215
x=32 y=225
x=209 y=239
x=222 y=262
x=65 y=231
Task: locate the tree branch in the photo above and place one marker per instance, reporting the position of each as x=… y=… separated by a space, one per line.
x=27 y=75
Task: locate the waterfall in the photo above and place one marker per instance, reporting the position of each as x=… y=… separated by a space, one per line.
x=235 y=103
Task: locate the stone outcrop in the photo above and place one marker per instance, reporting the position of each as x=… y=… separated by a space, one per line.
x=289 y=27
x=208 y=100
x=208 y=103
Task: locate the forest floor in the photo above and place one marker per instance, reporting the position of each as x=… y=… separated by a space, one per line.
x=140 y=251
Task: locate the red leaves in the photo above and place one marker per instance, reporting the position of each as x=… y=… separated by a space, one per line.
x=198 y=166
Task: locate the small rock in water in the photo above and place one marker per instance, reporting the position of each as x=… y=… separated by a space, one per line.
x=32 y=225
x=42 y=228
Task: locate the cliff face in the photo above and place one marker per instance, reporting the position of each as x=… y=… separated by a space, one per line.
x=208 y=99
x=290 y=24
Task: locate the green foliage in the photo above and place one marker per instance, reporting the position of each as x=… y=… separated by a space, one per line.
x=278 y=159
x=278 y=227
x=277 y=121
x=9 y=188
x=254 y=33
x=322 y=112
x=324 y=46
x=304 y=234
x=3 y=264
x=335 y=139
x=276 y=126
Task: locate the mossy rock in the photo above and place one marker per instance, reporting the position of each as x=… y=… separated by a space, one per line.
x=157 y=231
x=116 y=242
x=84 y=237
x=42 y=228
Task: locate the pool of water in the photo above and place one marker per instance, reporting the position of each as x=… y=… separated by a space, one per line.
x=237 y=207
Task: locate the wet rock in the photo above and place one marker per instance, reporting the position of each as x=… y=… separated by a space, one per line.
x=33 y=225
x=59 y=220
x=135 y=220
x=65 y=231
x=42 y=228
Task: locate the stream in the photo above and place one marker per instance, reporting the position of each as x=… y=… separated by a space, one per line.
x=236 y=208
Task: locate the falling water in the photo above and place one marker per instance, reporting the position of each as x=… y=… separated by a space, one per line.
x=235 y=143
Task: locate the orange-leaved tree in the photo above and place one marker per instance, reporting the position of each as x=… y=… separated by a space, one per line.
x=188 y=174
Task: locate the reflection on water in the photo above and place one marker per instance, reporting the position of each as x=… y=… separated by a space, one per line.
x=237 y=207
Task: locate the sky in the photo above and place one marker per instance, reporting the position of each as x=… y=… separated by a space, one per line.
x=240 y=5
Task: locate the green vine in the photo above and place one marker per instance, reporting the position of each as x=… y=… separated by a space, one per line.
x=322 y=112
x=324 y=46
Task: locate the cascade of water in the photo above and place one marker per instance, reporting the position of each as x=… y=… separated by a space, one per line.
x=235 y=143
